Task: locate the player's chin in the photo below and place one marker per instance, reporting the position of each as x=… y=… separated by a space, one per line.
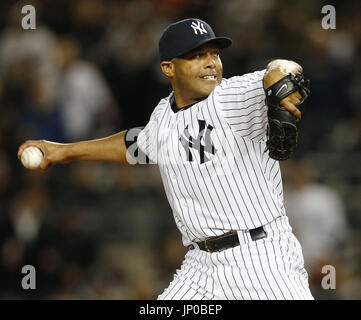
x=202 y=94
x=206 y=87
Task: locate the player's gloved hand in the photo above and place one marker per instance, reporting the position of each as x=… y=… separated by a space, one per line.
x=287 y=94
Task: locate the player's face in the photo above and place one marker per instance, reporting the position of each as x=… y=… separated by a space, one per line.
x=197 y=73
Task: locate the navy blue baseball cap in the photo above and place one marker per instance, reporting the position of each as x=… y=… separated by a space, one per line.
x=185 y=35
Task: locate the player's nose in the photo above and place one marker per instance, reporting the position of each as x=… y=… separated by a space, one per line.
x=210 y=61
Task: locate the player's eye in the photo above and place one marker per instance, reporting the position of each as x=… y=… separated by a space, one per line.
x=200 y=55
x=197 y=56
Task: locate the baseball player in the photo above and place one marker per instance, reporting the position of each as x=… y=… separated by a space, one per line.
x=217 y=143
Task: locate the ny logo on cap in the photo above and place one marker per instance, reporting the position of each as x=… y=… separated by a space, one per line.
x=198 y=26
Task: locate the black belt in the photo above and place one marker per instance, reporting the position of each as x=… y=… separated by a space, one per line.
x=228 y=240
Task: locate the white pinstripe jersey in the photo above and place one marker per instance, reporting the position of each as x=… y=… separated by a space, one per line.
x=211 y=155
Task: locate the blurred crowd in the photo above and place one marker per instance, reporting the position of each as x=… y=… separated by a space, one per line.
x=91 y=69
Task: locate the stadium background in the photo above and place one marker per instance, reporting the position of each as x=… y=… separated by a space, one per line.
x=90 y=69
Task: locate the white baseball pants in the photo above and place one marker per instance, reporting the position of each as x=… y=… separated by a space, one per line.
x=267 y=269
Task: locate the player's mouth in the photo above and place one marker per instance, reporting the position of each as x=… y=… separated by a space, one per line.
x=209 y=78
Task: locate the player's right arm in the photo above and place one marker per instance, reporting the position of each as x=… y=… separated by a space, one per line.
x=136 y=145
x=108 y=149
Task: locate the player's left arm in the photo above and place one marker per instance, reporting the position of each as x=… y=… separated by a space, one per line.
x=278 y=69
x=243 y=104
x=286 y=89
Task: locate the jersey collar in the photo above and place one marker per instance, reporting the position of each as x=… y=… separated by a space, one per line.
x=174 y=107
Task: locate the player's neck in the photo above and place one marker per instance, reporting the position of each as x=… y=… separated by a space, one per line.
x=182 y=102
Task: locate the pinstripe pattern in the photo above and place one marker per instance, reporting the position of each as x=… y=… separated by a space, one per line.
x=240 y=187
x=218 y=177
x=266 y=269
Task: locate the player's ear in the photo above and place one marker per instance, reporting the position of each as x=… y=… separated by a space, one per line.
x=167 y=68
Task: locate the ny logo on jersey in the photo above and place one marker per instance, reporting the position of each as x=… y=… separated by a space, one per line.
x=198 y=26
x=188 y=142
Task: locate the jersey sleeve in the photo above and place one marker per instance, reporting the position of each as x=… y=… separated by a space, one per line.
x=147 y=139
x=242 y=105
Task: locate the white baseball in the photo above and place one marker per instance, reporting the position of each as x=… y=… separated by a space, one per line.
x=31 y=157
